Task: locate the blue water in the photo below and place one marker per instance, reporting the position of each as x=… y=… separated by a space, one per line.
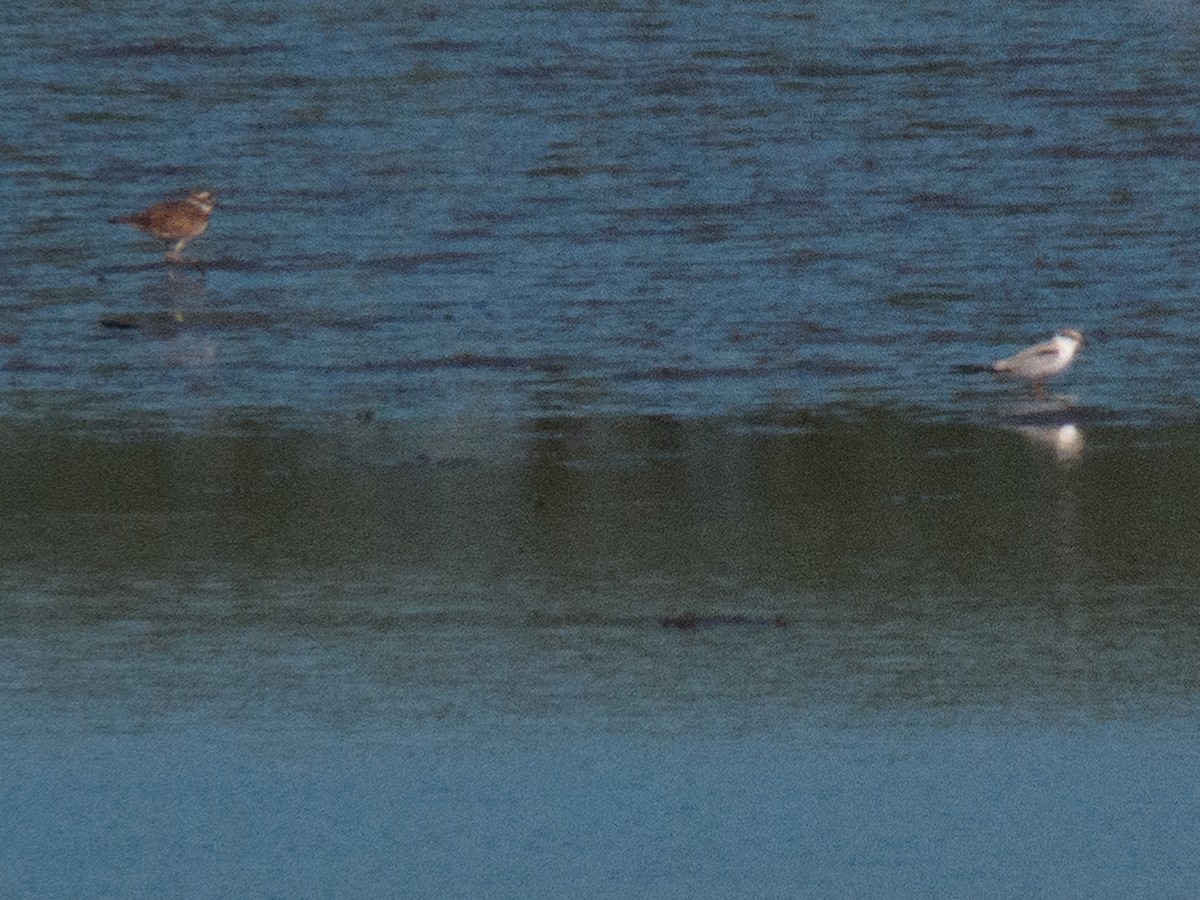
x=977 y=814
x=503 y=209
x=333 y=563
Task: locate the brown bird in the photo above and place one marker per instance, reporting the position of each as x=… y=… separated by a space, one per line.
x=173 y=220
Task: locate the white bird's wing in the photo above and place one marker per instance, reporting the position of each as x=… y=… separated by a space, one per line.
x=1026 y=357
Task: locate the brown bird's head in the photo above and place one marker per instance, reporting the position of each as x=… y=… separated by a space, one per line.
x=206 y=200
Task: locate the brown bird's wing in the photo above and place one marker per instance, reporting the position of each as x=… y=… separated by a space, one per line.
x=168 y=216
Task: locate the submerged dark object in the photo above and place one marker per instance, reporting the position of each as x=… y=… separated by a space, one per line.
x=689 y=621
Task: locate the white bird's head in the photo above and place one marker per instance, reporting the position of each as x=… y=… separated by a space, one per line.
x=1072 y=335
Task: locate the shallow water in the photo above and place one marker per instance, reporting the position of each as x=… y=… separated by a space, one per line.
x=514 y=209
x=336 y=561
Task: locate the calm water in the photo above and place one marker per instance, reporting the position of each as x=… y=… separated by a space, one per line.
x=404 y=660
x=334 y=565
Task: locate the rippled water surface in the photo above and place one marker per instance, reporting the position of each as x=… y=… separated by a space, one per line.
x=550 y=476
x=512 y=208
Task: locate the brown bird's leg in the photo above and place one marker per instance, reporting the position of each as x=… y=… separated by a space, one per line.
x=1039 y=390
x=175 y=254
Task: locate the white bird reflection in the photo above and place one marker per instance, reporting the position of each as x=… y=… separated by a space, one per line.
x=1065 y=440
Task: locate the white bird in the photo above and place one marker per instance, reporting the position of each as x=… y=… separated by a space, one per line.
x=1041 y=361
